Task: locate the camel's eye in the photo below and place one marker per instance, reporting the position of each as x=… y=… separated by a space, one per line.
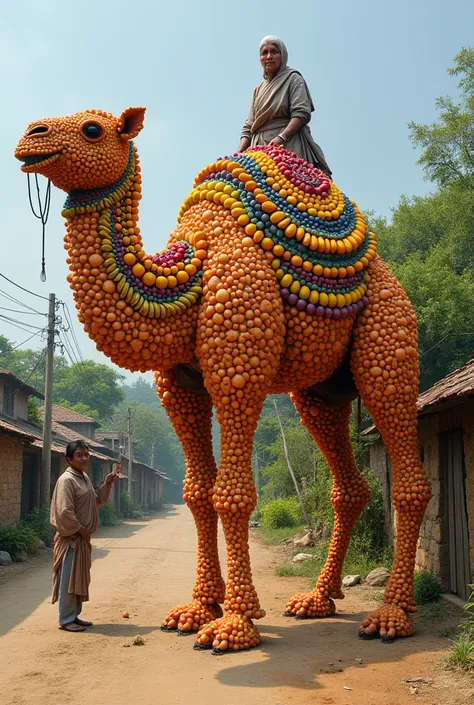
x=38 y=130
x=92 y=131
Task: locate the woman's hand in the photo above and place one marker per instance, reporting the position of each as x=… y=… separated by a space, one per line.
x=277 y=141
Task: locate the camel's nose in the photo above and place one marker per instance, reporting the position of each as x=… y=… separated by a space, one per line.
x=38 y=130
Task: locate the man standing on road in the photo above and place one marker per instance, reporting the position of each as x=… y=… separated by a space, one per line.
x=75 y=516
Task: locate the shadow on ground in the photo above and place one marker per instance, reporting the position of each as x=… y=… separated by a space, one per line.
x=32 y=580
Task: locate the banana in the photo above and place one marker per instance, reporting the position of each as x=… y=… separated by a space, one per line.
x=129 y=295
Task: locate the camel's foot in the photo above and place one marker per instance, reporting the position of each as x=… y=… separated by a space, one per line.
x=230 y=633
x=190 y=617
x=309 y=605
x=387 y=622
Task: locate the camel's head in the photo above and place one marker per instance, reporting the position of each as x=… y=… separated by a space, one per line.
x=83 y=151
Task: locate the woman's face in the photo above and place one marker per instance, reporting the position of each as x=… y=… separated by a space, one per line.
x=270 y=58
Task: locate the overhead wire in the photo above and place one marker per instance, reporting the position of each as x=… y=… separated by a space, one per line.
x=25 y=381
x=12 y=299
x=33 y=293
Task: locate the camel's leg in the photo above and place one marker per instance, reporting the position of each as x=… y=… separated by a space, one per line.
x=191 y=415
x=240 y=341
x=329 y=427
x=385 y=367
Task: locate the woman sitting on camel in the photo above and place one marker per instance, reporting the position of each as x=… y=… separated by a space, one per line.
x=281 y=108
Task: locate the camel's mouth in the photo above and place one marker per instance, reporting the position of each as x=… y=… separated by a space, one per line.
x=31 y=161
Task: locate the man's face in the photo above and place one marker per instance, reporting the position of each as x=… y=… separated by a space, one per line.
x=80 y=459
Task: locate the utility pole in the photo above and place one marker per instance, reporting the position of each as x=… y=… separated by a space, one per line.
x=48 y=409
x=130 y=452
x=290 y=468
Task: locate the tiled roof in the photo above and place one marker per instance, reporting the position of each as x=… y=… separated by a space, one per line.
x=11 y=426
x=27 y=388
x=34 y=434
x=63 y=415
x=112 y=435
x=457 y=384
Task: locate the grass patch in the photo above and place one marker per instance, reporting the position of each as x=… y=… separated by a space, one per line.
x=448 y=632
x=461 y=655
x=357 y=562
x=272 y=537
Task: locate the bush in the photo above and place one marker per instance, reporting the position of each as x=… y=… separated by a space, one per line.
x=38 y=520
x=126 y=505
x=108 y=515
x=17 y=538
x=128 y=509
x=281 y=513
x=427 y=587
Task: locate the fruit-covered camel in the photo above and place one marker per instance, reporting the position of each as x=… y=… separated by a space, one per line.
x=270 y=283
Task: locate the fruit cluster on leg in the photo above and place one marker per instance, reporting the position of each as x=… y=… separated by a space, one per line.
x=191 y=415
x=329 y=427
x=386 y=369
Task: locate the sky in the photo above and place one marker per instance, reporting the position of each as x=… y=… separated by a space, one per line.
x=372 y=66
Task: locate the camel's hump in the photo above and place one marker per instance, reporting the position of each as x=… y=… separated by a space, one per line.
x=319 y=239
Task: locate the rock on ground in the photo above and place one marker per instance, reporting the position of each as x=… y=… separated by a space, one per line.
x=350 y=580
x=305 y=541
x=300 y=557
x=5 y=558
x=21 y=557
x=378 y=577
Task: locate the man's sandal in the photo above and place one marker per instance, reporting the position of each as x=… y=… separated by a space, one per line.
x=83 y=622
x=72 y=627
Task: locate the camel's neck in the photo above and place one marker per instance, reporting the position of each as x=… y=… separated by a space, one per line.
x=138 y=308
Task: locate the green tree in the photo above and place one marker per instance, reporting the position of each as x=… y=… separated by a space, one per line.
x=80 y=408
x=92 y=384
x=448 y=144
x=154 y=439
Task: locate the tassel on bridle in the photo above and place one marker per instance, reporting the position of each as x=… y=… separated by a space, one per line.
x=42 y=215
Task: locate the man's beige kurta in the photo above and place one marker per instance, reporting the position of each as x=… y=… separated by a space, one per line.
x=75 y=504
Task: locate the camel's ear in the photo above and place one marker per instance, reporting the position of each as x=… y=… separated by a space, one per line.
x=130 y=123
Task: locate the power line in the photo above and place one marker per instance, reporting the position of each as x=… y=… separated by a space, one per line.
x=19 y=324
x=448 y=335
x=28 y=339
x=11 y=298
x=45 y=298
x=24 y=313
x=68 y=317
x=25 y=381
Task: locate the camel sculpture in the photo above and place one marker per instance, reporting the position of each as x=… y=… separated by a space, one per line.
x=270 y=283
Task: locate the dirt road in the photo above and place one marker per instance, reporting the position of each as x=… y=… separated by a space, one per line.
x=146 y=568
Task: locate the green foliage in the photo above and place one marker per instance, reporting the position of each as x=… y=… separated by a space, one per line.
x=33 y=412
x=154 y=439
x=357 y=562
x=108 y=515
x=427 y=587
x=126 y=505
x=469 y=610
x=461 y=655
x=95 y=385
x=281 y=513
x=38 y=520
x=17 y=538
x=80 y=408
x=448 y=144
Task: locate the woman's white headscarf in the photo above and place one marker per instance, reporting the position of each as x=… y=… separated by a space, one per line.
x=272 y=39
